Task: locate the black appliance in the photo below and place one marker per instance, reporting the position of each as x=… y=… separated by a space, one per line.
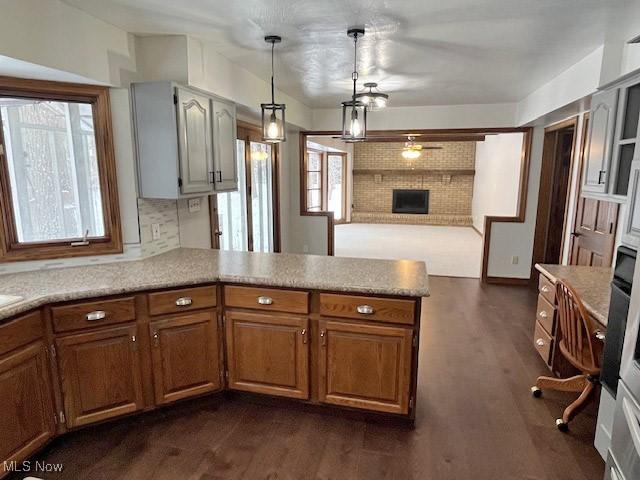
x=617 y=320
x=411 y=201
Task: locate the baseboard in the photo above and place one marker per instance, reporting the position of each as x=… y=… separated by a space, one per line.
x=508 y=281
x=477 y=231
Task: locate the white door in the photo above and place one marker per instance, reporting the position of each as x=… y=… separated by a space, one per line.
x=195 y=148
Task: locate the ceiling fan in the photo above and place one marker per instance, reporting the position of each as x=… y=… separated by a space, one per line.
x=412 y=149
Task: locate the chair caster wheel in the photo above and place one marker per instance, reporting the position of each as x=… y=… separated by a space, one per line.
x=536 y=392
x=563 y=427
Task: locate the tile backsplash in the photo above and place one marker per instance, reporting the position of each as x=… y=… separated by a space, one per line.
x=164 y=212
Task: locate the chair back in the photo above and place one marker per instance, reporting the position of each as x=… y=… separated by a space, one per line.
x=577 y=332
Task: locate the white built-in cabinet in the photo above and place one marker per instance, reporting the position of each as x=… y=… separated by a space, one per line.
x=600 y=140
x=185 y=141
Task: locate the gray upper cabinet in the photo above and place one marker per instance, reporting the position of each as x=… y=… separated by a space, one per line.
x=600 y=141
x=185 y=141
x=194 y=142
x=631 y=232
x=225 y=175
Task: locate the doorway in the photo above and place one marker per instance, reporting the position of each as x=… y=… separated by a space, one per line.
x=248 y=219
x=555 y=180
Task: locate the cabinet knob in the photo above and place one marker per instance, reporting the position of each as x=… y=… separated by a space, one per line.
x=600 y=335
x=542 y=314
x=156 y=339
x=262 y=300
x=540 y=342
x=544 y=289
x=184 y=301
x=365 y=309
x=96 y=315
x=323 y=338
x=304 y=335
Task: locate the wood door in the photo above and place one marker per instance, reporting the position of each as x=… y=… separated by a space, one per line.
x=194 y=142
x=186 y=356
x=100 y=374
x=600 y=141
x=224 y=144
x=26 y=406
x=594 y=225
x=365 y=366
x=268 y=353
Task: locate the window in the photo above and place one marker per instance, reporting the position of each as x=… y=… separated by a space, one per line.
x=58 y=191
x=325 y=183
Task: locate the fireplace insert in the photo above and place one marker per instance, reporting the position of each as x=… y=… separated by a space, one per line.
x=411 y=201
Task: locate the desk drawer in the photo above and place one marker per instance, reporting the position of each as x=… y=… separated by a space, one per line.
x=20 y=331
x=93 y=314
x=547 y=289
x=546 y=314
x=269 y=299
x=185 y=299
x=542 y=341
x=390 y=310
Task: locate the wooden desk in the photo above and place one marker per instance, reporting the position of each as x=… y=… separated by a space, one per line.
x=592 y=285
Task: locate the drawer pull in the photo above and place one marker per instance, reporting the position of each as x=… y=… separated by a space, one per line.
x=600 y=335
x=543 y=314
x=540 y=342
x=544 y=289
x=365 y=309
x=262 y=300
x=97 y=315
x=184 y=301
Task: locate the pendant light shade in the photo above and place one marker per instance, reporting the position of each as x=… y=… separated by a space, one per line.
x=374 y=100
x=354 y=111
x=273 y=120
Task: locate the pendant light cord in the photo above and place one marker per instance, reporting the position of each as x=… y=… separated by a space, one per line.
x=272 y=87
x=355 y=65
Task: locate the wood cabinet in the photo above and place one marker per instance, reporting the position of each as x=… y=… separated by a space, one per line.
x=365 y=366
x=100 y=374
x=185 y=141
x=225 y=172
x=268 y=353
x=26 y=403
x=600 y=141
x=186 y=356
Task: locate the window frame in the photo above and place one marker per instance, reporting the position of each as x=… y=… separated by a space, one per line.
x=98 y=96
x=343 y=156
x=323 y=180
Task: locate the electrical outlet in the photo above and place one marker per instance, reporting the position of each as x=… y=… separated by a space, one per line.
x=155 y=231
x=194 y=205
x=514 y=260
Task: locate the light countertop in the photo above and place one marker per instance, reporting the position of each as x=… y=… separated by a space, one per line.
x=591 y=283
x=185 y=266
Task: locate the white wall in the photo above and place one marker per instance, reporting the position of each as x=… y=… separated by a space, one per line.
x=497 y=179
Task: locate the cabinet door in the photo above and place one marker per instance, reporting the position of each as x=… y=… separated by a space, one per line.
x=186 y=356
x=225 y=173
x=268 y=353
x=194 y=142
x=600 y=141
x=100 y=374
x=26 y=406
x=631 y=233
x=365 y=366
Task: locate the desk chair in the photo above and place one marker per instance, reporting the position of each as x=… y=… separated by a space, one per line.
x=577 y=343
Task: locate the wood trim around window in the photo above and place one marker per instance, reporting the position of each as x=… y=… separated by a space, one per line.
x=111 y=242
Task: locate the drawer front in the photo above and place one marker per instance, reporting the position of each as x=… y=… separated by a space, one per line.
x=20 y=331
x=542 y=341
x=270 y=299
x=546 y=314
x=185 y=299
x=368 y=308
x=547 y=289
x=93 y=314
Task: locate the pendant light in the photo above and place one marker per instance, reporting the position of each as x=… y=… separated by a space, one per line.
x=273 y=126
x=373 y=100
x=354 y=111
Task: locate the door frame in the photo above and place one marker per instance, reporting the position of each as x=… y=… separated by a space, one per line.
x=249 y=132
x=576 y=200
x=544 y=191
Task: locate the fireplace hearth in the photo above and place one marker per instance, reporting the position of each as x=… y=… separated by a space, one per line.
x=411 y=201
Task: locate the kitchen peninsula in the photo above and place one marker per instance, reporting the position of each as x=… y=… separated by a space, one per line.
x=92 y=343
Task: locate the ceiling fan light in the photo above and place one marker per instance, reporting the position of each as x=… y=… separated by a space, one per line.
x=410 y=154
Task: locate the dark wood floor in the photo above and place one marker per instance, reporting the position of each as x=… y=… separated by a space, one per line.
x=476 y=418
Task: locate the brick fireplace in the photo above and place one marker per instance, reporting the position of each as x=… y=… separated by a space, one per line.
x=447 y=174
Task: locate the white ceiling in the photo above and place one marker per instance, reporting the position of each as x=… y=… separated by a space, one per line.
x=421 y=52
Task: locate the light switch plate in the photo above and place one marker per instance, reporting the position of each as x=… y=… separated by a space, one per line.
x=194 y=205
x=155 y=231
